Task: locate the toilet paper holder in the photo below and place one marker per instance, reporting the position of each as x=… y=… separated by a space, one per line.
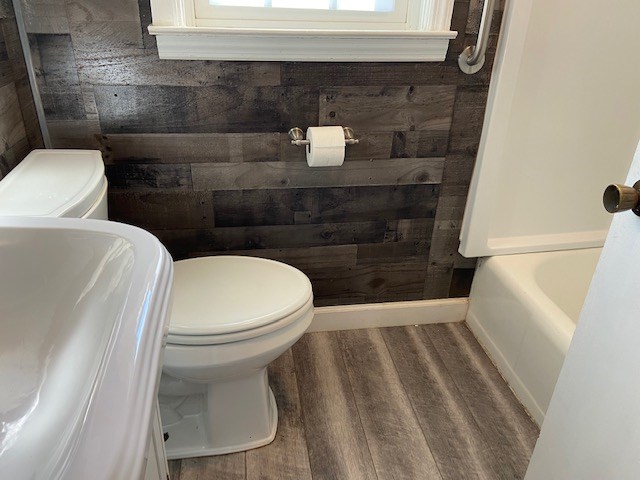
x=297 y=137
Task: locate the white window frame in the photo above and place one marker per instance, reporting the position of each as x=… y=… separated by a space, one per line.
x=423 y=36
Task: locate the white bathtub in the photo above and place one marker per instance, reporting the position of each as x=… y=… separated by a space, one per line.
x=523 y=309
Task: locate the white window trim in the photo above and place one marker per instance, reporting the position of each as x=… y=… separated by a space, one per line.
x=178 y=38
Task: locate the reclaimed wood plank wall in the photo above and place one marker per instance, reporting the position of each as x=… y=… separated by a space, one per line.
x=196 y=151
x=19 y=127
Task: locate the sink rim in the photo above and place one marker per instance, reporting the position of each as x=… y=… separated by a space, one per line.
x=123 y=395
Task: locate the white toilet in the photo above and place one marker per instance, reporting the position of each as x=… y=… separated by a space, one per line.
x=56 y=183
x=231 y=315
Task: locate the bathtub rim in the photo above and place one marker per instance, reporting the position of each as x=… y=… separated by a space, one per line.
x=513 y=278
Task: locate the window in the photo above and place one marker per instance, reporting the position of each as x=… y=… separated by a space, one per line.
x=311 y=14
x=309 y=30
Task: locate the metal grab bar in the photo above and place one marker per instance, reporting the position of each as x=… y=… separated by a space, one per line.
x=472 y=58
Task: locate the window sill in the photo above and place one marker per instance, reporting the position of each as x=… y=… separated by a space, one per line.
x=208 y=43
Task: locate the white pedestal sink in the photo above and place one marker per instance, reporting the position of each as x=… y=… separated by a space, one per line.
x=83 y=314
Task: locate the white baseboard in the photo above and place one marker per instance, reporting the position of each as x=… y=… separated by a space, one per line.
x=391 y=314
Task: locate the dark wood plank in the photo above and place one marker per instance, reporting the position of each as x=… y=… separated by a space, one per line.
x=456 y=178
x=346 y=74
x=85 y=11
x=307 y=258
x=406 y=241
x=145 y=176
x=444 y=242
x=419 y=144
x=162 y=210
x=286 y=457
x=11 y=157
x=56 y=67
x=451 y=210
x=14 y=48
x=45 y=16
x=392 y=252
x=446 y=234
x=398 y=446
x=60 y=90
x=437 y=281
x=459 y=448
x=388 y=108
x=190 y=147
x=29 y=116
x=220 y=109
x=324 y=205
x=74 y=133
x=380 y=282
x=61 y=105
x=408 y=250
x=100 y=36
x=227 y=467
x=6 y=9
x=142 y=67
x=6 y=71
x=245 y=176
x=502 y=420
x=468 y=117
x=11 y=124
x=335 y=439
x=181 y=242
x=409 y=230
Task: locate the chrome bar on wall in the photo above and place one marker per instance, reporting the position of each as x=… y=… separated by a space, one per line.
x=472 y=58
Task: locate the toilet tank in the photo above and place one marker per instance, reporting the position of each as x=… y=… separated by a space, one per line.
x=56 y=183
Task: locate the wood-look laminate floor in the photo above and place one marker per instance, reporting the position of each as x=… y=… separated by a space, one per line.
x=421 y=402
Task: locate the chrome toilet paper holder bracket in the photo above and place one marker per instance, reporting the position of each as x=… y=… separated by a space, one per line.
x=297 y=137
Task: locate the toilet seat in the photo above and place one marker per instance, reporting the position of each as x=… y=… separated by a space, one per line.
x=175 y=339
x=224 y=299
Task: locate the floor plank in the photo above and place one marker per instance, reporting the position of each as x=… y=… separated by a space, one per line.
x=458 y=446
x=174 y=469
x=335 y=438
x=397 y=444
x=227 y=467
x=503 y=421
x=421 y=402
x=287 y=457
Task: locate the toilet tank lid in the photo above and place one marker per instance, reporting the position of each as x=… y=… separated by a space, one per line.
x=231 y=294
x=53 y=183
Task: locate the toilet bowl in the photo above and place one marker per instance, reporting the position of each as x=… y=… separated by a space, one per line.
x=231 y=317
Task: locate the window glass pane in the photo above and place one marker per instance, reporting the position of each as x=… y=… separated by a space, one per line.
x=238 y=3
x=359 y=5
x=311 y=4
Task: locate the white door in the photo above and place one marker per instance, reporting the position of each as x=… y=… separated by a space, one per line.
x=592 y=426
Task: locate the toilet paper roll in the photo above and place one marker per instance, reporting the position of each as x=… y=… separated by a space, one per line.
x=326 y=148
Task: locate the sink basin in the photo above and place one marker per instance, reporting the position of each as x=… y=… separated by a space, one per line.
x=83 y=315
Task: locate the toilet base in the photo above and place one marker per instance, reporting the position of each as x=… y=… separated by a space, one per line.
x=232 y=416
